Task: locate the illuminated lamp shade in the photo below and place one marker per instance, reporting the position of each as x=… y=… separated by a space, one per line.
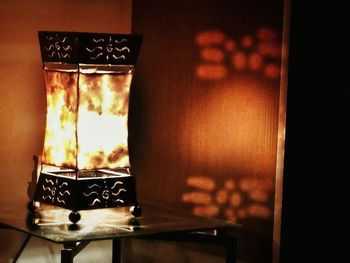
x=85 y=159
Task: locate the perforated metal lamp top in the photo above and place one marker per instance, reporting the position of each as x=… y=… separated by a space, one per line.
x=89 y=48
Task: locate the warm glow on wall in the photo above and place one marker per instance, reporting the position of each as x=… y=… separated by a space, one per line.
x=211 y=96
x=228 y=126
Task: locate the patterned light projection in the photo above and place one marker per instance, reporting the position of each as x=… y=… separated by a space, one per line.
x=222 y=55
x=232 y=125
x=233 y=199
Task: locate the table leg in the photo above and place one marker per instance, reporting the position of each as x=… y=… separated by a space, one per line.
x=116 y=252
x=231 y=250
x=67 y=255
x=71 y=249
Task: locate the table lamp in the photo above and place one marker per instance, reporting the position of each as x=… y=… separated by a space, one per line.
x=85 y=158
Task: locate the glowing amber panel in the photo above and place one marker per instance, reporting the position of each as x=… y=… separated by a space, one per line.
x=60 y=148
x=86 y=123
x=102 y=120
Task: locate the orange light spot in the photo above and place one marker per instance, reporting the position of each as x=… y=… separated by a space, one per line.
x=200 y=182
x=212 y=54
x=211 y=71
x=230 y=45
x=230 y=184
x=239 y=60
x=197 y=198
x=221 y=197
x=247 y=41
x=210 y=211
x=272 y=71
x=259 y=195
x=230 y=215
x=235 y=200
x=269 y=49
x=259 y=211
x=212 y=37
x=255 y=61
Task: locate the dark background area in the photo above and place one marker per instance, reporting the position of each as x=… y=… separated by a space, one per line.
x=316 y=153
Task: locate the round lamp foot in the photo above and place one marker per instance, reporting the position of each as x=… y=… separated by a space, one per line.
x=74 y=217
x=136 y=211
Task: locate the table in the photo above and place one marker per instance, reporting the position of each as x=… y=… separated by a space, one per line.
x=157 y=223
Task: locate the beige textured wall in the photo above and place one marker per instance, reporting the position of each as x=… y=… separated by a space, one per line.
x=22 y=97
x=22 y=107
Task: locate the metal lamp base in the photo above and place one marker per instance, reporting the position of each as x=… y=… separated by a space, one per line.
x=98 y=190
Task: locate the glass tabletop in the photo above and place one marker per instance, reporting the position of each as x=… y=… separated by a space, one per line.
x=52 y=223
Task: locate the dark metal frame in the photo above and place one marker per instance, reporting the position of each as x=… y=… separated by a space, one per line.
x=83 y=194
x=89 y=48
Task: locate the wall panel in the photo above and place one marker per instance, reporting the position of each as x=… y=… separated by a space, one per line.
x=206 y=107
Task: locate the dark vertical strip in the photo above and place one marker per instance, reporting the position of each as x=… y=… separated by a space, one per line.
x=76 y=126
x=66 y=255
x=231 y=250
x=116 y=252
